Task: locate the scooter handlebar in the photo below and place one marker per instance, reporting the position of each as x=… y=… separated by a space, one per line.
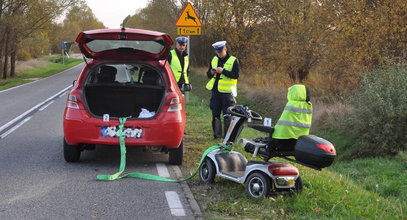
x=255 y=115
x=244 y=112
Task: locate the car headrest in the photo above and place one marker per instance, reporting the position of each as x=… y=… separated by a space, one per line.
x=150 y=77
x=107 y=74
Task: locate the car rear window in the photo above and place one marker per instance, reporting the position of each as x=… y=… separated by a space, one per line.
x=98 y=45
x=126 y=73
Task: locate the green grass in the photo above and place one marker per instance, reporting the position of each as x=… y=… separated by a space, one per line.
x=29 y=75
x=358 y=189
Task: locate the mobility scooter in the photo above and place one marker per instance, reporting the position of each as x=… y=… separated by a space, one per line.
x=263 y=177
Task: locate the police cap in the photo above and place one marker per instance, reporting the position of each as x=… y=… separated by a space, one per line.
x=219 y=45
x=181 y=40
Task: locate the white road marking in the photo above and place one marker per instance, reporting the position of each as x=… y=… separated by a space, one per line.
x=60 y=96
x=15 y=127
x=15 y=87
x=162 y=170
x=174 y=203
x=45 y=106
x=29 y=111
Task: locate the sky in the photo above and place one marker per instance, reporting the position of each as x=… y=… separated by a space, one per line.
x=111 y=13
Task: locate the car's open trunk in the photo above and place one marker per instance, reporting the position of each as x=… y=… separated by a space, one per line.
x=122 y=100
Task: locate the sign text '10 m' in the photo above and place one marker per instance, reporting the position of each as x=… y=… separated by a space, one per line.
x=189 y=30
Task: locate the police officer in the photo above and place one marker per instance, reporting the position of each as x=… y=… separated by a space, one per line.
x=223 y=73
x=179 y=63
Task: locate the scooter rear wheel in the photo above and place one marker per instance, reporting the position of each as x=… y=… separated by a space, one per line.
x=298 y=185
x=207 y=171
x=258 y=185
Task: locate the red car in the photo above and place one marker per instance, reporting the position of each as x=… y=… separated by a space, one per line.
x=127 y=75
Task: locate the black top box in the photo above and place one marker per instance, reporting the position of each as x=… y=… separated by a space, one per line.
x=314 y=151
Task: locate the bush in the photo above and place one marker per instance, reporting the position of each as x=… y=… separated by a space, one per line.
x=379 y=116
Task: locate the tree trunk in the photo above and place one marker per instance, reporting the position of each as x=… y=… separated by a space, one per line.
x=13 y=52
x=13 y=60
x=4 y=76
x=6 y=53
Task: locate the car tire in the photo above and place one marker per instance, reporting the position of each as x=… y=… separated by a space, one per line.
x=258 y=185
x=72 y=153
x=207 y=171
x=176 y=155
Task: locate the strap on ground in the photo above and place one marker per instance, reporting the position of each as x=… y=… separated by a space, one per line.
x=146 y=175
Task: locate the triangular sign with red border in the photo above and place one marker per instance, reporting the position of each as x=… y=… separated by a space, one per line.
x=188 y=17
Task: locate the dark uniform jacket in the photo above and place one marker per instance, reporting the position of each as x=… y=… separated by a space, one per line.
x=234 y=74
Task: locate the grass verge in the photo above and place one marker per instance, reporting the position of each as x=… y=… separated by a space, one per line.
x=53 y=65
x=359 y=189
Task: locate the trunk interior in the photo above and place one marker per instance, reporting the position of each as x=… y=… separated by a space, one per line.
x=126 y=94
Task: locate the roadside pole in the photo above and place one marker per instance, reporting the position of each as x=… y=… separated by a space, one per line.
x=188 y=24
x=188 y=51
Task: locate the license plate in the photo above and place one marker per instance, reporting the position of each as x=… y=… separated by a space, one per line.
x=113 y=131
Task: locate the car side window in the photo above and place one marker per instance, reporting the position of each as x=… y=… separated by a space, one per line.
x=134 y=73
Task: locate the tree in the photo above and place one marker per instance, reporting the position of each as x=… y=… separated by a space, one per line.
x=158 y=15
x=20 y=19
x=79 y=18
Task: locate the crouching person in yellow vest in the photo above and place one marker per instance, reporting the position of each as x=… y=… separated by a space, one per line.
x=295 y=121
x=179 y=63
x=223 y=73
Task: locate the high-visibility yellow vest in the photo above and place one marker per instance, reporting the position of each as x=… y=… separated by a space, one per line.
x=225 y=84
x=295 y=121
x=176 y=66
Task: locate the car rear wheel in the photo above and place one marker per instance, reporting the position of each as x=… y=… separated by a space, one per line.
x=175 y=155
x=72 y=153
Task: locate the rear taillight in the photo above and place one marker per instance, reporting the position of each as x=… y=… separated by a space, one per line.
x=74 y=101
x=283 y=170
x=329 y=148
x=174 y=104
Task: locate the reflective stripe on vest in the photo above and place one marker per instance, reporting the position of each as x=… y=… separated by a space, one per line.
x=295 y=124
x=176 y=67
x=295 y=121
x=299 y=110
x=225 y=84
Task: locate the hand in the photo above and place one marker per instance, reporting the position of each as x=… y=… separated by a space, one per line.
x=219 y=70
x=213 y=71
x=187 y=87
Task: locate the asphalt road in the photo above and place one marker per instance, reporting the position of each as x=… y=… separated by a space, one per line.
x=37 y=183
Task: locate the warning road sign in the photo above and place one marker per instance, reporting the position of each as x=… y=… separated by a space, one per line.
x=188 y=17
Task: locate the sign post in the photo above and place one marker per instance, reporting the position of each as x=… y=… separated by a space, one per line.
x=188 y=24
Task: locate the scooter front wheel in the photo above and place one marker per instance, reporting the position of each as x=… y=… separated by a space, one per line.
x=207 y=171
x=258 y=185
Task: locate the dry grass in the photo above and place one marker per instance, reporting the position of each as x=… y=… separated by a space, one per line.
x=271 y=89
x=269 y=92
x=327 y=113
x=29 y=64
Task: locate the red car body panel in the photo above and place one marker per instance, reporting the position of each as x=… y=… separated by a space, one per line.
x=166 y=128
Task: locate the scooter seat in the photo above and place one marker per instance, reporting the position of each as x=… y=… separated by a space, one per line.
x=262 y=128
